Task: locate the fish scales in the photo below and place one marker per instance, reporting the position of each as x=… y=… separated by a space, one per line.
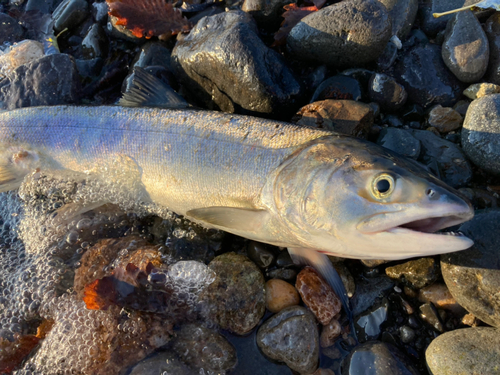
x=188 y=159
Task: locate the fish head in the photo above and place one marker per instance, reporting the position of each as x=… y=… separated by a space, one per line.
x=352 y=198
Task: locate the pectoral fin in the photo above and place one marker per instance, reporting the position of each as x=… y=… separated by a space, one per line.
x=231 y=218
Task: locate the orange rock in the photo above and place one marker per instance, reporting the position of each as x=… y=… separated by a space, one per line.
x=280 y=294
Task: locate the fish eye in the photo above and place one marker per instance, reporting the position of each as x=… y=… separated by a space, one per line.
x=382 y=186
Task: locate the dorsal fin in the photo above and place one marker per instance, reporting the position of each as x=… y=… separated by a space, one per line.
x=148 y=91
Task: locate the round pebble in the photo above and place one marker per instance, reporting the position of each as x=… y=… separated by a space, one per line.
x=280 y=294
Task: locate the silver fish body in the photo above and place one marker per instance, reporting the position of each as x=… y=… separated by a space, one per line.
x=265 y=180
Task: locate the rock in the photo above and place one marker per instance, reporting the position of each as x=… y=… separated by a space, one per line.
x=492 y=30
x=431 y=25
x=429 y=314
x=352 y=32
x=50 y=80
x=153 y=54
x=121 y=32
x=20 y=54
x=222 y=61
x=478 y=90
x=440 y=296
x=368 y=324
x=282 y=274
x=265 y=12
x=367 y=292
x=204 y=348
x=407 y=334
x=465 y=49
x=44 y=6
x=69 y=14
x=95 y=43
x=387 y=57
x=342 y=116
x=338 y=87
x=481 y=133
x=10 y=30
x=444 y=158
x=418 y=273
x=291 y=336
x=444 y=119
x=162 y=363
x=481 y=198
x=426 y=78
x=385 y=91
x=237 y=296
x=262 y=255
x=318 y=295
x=400 y=141
x=461 y=107
x=371 y=263
x=346 y=277
x=465 y=351
x=473 y=275
x=330 y=333
x=403 y=13
x=375 y=357
x=280 y=294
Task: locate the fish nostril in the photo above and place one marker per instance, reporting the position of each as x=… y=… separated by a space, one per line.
x=431 y=193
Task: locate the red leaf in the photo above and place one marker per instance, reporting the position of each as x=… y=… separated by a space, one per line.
x=292 y=16
x=148 y=17
x=100 y=294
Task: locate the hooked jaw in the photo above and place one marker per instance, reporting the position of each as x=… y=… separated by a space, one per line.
x=412 y=229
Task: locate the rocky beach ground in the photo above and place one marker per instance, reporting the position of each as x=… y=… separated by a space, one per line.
x=121 y=292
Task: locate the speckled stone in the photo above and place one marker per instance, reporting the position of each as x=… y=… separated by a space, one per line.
x=318 y=295
x=419 y=273
x=291 y=336
x=478 y=90
x=471 y=351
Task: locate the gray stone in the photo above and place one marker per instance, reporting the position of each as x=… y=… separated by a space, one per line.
x=385 y=91
x=474 y=351
x=51 y=80
x=367 y=292
x=465 y=49
x=222 y=61
x=400 y=141
x=444 y=158
x=95 y=43
x=492 y=30
x=204 y=348
x=481 y=133
x=473 y=275
x=237 y=296
x=376 y=358
x=403 y=13
x=291 y=336
x=352 y=32
x=10 y=29
x=426 y=78
x=69 y=14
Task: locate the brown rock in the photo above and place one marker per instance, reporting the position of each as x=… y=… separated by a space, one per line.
x=280 y=294
x=441 y=297
x=330 y=333
x=418 y=273
x=342 y=116
x=317 y=295
x=445 y=119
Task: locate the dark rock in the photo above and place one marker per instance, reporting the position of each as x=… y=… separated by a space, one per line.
x=427 y=80
x=430 y=25
x=237 y=296
x=291 y=336
x=400 y=141
x=368 y=324
x=375 y=357
x=265 y=12
x=282 y=273
x=51 y=80
x=89 y=68
x=10 y=30
x=330 y=333
x=121 y=32
x=481 y=133
x=403 y=13
x=100 y=12
x=352 y=32
x=440 y=296
x=465 y=351
x=465 y=49
x=69 y=14
x=367 y=291
x=444 y=158
x=44 y=6
x=473 y=275
x=95 y=43
x=418 y=273
x=342 y=116
x=393 y=121
x=492 y=29
x=412 y=112
x=262 y=255
x=161 y=363
x=153 y=54
x=223 y=61
x=415 y=37
x=407 y=334
x=384 y=90
x=387 y=57
x=430 y=315
x=444 y=119
x=461 y=107
x=338 y=87
x=203 y=348
x=284 y=259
